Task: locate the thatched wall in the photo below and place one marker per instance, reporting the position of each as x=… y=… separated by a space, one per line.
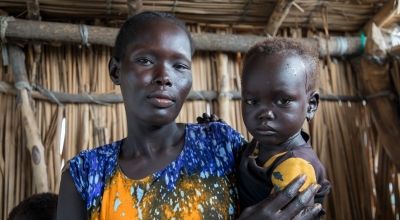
x=365 y=184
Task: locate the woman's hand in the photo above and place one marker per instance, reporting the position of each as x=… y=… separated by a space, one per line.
x=286 y=204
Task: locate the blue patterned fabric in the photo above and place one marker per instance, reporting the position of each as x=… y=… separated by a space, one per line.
x=209 y=150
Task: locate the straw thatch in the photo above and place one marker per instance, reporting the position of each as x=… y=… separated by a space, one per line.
x=353 y=132
x=343 y=15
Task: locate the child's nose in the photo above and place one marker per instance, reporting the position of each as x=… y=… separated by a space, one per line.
x=267 y=114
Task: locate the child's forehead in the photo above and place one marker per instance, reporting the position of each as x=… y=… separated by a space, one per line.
x=278 y=58
x=275 y=72
x=276 y=64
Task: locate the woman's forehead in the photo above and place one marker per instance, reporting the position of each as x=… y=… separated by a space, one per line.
x=161 y=34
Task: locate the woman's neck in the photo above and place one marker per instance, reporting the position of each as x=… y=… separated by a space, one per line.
x=149 y=140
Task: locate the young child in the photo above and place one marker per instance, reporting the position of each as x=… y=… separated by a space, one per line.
x=41 y=206
x=278 y=95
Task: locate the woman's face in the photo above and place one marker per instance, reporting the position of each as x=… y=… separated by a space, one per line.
x=155 y=74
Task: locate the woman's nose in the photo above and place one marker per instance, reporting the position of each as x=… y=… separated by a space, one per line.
x=161 y=77
x=162 y=81
x=267 y=114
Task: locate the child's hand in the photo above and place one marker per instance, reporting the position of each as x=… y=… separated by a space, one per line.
x=206 y=118
x=286 y=204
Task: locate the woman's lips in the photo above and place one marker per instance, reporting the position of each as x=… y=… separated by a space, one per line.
x=161 y=100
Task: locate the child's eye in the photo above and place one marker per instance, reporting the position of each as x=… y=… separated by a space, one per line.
x=144 y=61
x=283 y=101
x=251 y=101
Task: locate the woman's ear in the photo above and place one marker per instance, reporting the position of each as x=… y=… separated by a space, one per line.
x=114 y=67
x=313 y=101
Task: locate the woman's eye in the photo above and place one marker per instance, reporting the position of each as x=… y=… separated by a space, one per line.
x=251 y=101
x=144 y=61
x=181 y=67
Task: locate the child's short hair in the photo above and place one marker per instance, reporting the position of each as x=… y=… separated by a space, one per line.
x=135 y=24
x=287 y=46
x=41 y=206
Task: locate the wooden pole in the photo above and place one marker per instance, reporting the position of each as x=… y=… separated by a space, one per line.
x=93 y=98
x=376 y=77
x=385 y=14
x=62 y=32
x=115 y=98
x=223 y=76
x=33 y=9
x=395 y=51
x=34 y=143
x=277 y=17
x=134 y=7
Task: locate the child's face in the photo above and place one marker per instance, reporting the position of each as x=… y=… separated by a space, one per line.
x=274 y=97
x=155 y=74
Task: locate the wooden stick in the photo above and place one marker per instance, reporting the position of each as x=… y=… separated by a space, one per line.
x=34 y=142
x=54 y=31
x=281 y=10
x=385 y=14
x=56 y=149
x=33 y=9
x=223 y=76
x=105 y=98
x=3 y=109
x=134 y=7
x=113 y=98
x=375 y=77
x=395 y=51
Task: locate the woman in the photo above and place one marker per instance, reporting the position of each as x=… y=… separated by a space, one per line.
x=162 y=169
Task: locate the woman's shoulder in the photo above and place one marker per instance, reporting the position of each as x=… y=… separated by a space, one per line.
x=218 y=129
x=93 y=167
x=106 y=151
x=214 y=136
x=99 y=160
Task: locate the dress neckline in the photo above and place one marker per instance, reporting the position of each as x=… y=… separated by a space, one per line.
x=157 y=173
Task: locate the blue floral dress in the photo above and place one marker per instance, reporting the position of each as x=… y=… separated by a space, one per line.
x=199 y=184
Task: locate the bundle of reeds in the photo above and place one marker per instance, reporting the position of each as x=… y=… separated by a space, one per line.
x=240 y=14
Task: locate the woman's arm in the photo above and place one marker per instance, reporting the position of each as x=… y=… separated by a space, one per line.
x=70 y=203
x=286 y=204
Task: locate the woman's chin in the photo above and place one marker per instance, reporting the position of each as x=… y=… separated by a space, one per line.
x=161 y=118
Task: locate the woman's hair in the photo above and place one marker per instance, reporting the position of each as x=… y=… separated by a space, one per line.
x=286 y=46
x=41 y=206
x=133 y=26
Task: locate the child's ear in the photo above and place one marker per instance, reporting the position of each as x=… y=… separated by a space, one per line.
x=114 y=67
x=313 y=101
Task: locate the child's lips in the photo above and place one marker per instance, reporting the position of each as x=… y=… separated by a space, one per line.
x=266 y=130
x=266 y=133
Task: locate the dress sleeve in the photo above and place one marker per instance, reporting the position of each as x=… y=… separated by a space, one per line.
x=236 y=139
x=79 y=174
x=289 y=169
